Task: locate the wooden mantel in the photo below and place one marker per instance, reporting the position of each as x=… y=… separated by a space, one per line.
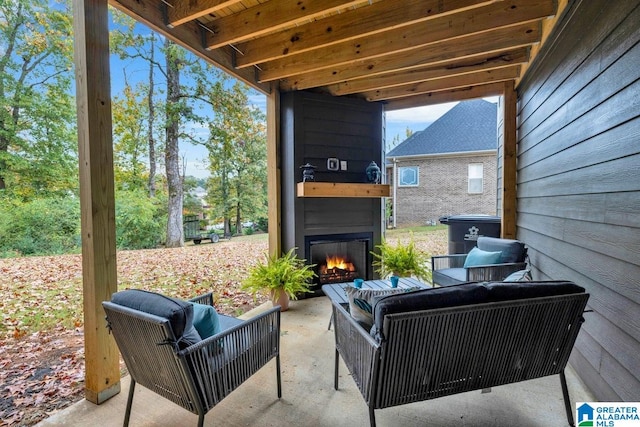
x=340 y=189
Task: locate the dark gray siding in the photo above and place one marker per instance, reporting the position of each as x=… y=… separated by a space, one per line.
x=579 y=182
x=315 y=127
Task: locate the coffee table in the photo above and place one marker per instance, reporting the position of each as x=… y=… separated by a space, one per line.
x=335 y=291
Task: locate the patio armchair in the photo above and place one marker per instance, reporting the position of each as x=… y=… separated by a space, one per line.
x=442 y=341
x=165 y=353
x=454 y=269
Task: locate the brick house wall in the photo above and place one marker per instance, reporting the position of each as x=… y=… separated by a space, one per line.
x=443 y=189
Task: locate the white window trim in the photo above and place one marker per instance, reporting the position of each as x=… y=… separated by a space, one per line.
x=470 y=178
x=417 y=171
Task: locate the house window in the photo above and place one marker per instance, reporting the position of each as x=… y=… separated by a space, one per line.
x=408 y=176
x=475 y=178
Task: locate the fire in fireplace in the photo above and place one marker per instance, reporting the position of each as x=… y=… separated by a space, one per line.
x=336 y=269
x=340 y=257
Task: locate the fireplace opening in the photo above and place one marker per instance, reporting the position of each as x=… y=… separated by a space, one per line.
x=340 y=258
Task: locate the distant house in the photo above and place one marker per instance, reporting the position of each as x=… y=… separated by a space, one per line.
x=448 y=168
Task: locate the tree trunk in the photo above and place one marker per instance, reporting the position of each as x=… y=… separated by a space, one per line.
x=238 y=220
x=152 y=144
x=175 y=237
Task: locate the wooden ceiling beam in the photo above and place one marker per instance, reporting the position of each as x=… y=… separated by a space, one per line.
x=463 y=94
x=268 y=17
x=351 y=24
x=448 y=83
x=492 y=42
x=472 y=64
x=404 y=39
x=188 y=36
x=180 y=11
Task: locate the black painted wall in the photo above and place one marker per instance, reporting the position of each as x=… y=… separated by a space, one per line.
x=579 y=182
x=315 y=127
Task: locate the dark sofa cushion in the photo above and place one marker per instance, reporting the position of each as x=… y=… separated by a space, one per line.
x=179 y=313
x=465 y=294
x=512 y=250
x=506 y=291
x=427 y=299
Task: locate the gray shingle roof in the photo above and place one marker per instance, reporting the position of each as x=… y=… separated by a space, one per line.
x=469 y=126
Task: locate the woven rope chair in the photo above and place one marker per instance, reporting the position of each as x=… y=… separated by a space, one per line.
x=200 y=376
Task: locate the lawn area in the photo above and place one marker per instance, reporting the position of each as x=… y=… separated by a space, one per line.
x=41 y=335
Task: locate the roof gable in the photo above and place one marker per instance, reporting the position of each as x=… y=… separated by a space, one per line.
x=469 y=126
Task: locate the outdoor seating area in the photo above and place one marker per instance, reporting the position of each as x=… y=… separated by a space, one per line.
x=307 y=351
x=493 y=259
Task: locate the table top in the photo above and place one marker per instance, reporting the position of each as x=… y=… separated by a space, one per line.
x=335 y=291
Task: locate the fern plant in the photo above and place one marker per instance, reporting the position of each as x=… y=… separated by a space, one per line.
x=401 y=260
x=286 y=273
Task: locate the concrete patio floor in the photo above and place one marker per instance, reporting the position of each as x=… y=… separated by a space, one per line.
x=309 y=399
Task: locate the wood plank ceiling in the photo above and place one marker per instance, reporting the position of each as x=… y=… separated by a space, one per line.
x=402 y=52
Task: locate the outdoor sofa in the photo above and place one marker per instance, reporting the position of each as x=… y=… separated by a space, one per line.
x=442 y=341
x=193 y=357
x=493 y=259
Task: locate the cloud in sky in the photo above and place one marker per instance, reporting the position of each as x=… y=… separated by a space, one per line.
x=425 y=114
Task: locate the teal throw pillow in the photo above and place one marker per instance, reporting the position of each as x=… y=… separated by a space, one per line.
x=479 y=257
x=205 y=320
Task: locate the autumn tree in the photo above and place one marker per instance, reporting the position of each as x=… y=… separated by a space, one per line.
x=38 y=150
x=237 y=155
x=130 y=139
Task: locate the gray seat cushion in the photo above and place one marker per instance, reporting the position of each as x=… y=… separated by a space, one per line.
x=449 y=276
x=227 y=322
x=512 y=250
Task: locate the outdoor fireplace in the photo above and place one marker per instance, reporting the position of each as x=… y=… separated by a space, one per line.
x=339 y=257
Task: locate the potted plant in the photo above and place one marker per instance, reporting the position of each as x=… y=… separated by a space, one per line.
x=282 y=277
x=401 y=260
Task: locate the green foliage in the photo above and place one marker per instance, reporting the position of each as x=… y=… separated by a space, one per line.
x=248 y=231
x=37 y=118
x=286 y=273
x=401 y=260
x=45 y=226
x=140 y=220
x=263 y=224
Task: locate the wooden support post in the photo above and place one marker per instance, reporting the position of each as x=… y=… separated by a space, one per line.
x=274 y=171
x=97 y=200
x=509 y=157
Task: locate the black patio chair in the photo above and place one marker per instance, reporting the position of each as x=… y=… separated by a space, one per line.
x=194 y=375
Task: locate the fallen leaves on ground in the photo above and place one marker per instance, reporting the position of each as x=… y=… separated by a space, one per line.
x=41 y=335
x=41 y=338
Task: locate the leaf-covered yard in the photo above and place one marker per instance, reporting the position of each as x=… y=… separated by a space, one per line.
x=41 y=336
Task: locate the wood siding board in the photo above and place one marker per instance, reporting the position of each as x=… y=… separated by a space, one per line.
x=613 y=285
x=611 y=98
x=590 y=350
x=622 y=381
x=622 y=209
x=614 y=176
x=618 y=142
x=591 y=378
x=615 y=340
x=584 y=207
x=555 y=64
x=591 y=82
x=618 y=242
